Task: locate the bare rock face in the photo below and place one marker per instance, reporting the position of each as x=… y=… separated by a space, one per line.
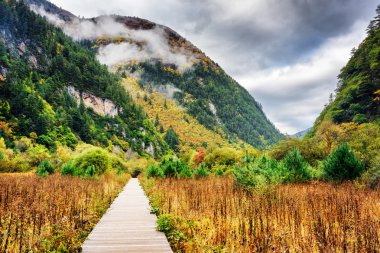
x=33 y=61
x=104 y=107
x=21 y=48
x=150 y=150
x=130 y=154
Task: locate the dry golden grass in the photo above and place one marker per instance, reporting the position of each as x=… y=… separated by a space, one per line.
x=216 y=216
x=54 y=213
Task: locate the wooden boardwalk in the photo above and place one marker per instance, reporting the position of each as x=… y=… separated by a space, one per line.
x=127 y=226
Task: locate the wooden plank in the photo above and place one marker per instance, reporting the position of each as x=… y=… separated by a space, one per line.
x=127 y=226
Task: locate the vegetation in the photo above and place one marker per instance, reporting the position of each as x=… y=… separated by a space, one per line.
x=213 y=215
x=191 y=134
x=41 y=63
x=204 y=87
x=342 y=164
x=44 y=169
x=171 y=139
x=60 y=213
x=358 y=93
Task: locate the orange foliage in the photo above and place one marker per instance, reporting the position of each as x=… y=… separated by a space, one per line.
x=200 y=156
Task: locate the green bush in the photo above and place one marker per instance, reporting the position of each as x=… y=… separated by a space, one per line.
x=96 y=157
x=185 y=172
x=69 y=169
x=219 y=172
x=44 y=169
x=170 y=168
x=245 y=177
x=90 y=171
x=342 y=164
x=201 y=171
x=165 y=223
x=297 y=170
x=155 y=171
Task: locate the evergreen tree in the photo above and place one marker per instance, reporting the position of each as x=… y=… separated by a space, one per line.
x=342 y=164
x=171 y=139
x=297 y=168
x=156 y=122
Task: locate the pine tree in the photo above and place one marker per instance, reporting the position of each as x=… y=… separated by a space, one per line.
x=157 y=122
x=342 y=164
x=171 y=139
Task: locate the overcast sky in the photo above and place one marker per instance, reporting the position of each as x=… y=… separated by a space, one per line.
x=286 y=53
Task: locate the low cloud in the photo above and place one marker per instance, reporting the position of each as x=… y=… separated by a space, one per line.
x=141 y=45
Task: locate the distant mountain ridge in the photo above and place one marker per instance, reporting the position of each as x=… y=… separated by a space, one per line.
x=166 y=58
x=301 y=134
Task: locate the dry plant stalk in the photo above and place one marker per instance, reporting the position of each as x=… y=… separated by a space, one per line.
x=54 y=213
x=217 y=216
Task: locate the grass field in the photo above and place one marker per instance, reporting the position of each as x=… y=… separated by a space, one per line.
x=214 y=215
x=53 y=214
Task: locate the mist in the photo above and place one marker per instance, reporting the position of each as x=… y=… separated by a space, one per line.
x=141 y=45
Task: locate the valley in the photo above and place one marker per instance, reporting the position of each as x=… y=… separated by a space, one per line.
x=88 y=103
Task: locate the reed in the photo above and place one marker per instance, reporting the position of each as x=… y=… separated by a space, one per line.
x=215 y=215
x=54 y=213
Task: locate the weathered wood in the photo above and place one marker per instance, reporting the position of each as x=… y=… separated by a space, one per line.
x=127 y=226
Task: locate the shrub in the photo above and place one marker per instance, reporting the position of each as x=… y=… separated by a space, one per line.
x=37 y=154
x=96 y=157
x=23 y=144
x=44 y=169
x=154 y=171
x=169 y=167
x=372 y=176
x=165 y=223
x=68 y=169
x=219 y=172
x=90 y=171
x=222 y=156
x=15 y=163
x=185 y=172
x=201 y=171
x=296 y=168
x=249 y=176
x=342 y=164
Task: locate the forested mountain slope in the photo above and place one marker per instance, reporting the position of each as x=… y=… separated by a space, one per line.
x=54 y=90
x=358 y=92
x=160 y=59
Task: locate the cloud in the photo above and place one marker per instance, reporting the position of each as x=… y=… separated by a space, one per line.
x=142 y=45
x=301 y=90
x=255 y=41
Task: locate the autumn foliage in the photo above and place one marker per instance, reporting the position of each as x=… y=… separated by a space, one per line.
x=200 y=156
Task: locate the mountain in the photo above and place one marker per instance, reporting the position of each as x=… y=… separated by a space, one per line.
x=358 y=93
x=54 y=90
x=160 y=59
x=301 y=134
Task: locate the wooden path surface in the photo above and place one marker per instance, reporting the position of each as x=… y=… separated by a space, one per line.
x=127 y=226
